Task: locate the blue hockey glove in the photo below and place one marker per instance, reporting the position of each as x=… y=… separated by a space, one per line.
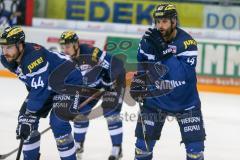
x=154 y=37
x=26 y=124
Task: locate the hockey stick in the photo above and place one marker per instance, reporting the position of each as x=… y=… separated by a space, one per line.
x=3 y=156
x=143 y=127
x=20 y=149
x=94 y=96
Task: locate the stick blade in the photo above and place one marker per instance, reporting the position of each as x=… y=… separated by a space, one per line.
x=3 y=156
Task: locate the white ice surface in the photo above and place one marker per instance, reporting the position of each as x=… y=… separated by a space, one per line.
x=221 y=114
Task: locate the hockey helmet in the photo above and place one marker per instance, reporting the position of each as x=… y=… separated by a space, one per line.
x=68 y=37
x=12 y=35
x=165 y=11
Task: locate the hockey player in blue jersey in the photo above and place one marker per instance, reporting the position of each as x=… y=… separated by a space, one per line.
x=174 y=55
x=107 y=73
x=33 y=64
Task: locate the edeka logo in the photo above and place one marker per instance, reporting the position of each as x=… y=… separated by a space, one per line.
x=138 y=12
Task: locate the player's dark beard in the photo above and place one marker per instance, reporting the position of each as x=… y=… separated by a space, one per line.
x=12 y=58
x=168 y=32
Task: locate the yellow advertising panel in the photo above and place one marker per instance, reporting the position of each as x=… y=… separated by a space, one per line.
x=56 y=9
x=121 y=11
x=190 y=15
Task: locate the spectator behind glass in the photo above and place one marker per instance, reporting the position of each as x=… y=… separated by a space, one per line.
x=5 y=18
x=20 y=12
x=16 y=15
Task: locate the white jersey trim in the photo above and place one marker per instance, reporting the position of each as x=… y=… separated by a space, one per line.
x=102 y=57
x=94 y=84
x=188 y=53
x=190 y=108
x=105 y=64
x=106 y=83
x=41 y=70
x=68 y=152
x=115 y=131
x=80 y=130
x=67 y=57
x=28 y=147
x=149 y=56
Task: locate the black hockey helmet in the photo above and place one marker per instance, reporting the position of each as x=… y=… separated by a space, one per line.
x=12 y=35
x=68 y=37
x=165 y=10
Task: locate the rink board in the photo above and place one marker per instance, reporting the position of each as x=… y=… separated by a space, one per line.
x=218 y=61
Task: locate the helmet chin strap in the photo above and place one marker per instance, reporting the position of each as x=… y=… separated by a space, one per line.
x=171 y=29
x=18 y=51
x=75 y=51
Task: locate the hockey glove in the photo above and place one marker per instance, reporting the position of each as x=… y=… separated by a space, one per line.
x=147 y=86
x=138 y=87
x=110 y=99
x=154 y=37
x=26 y=124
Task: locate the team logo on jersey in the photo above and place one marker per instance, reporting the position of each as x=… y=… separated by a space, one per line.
x=61 y=98
x=85 y=67
x=95 y=54
x=174 y=48
x=189 y=42
x=150 y=123
x=34 y=64
x=19 y=71
x=37 y=47
x=168 y=84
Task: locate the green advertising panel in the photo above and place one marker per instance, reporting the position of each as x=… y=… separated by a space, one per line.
x=219 y=59
x=214 y=59
x=125 y=48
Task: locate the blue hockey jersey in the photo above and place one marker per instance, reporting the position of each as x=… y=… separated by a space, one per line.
x=181 y=73
x=36 y=64
x=99 y=69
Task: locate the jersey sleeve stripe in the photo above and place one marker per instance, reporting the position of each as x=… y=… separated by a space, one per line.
x=39 y=71
x=102 y=56
x=188 y=53
x=61 y=56
x=106 y=83
x=105 y=64
x=149 y=56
